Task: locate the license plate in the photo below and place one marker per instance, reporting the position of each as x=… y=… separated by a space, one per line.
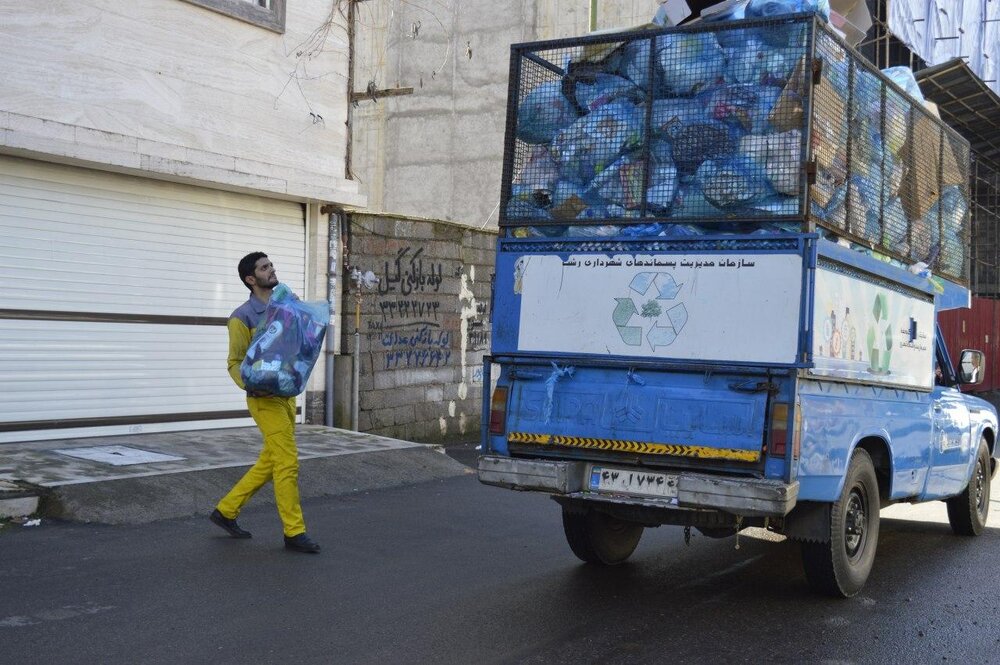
x=622 y=481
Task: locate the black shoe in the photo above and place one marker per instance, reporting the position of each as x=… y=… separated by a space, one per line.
x=301 y=543
x=231 y=527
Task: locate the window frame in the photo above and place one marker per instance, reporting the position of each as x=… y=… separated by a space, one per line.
x=271 y=19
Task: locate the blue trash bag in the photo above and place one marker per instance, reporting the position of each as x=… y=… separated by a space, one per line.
x=689 y=62
x=734 y=182
x=543 y=112
x=903 y=77
x=781 y=153
x=894 y=226
x=952 y=259
x=745 y=106
x=690 y=202
x=672 y=115
x=693 y=144
x=751 y=61
x=519 y=209
x=788 y=34
x=287 y=343
x=607 y=88
x=621 y=183
x=593 y=231
x=772 y=8
x=596 y=140
x=635 y=62
x=866 y=98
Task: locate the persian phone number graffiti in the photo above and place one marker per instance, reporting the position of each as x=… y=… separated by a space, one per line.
x=422 y=348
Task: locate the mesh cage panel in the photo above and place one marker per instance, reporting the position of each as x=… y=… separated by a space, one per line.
x=688 y=131
x=631 y=133
x=829 y=133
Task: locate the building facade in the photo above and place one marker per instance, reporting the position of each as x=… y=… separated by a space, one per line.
x=144 y=148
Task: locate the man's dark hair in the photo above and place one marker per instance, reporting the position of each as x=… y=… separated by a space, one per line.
x=247 y=264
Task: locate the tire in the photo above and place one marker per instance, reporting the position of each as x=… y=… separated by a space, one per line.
x=598 y=538
x=967 y=512
x=841 y=566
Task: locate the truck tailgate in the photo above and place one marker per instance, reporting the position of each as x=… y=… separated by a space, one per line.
x=715 y=416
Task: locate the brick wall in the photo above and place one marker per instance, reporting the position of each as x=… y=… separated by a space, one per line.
x=424 y=328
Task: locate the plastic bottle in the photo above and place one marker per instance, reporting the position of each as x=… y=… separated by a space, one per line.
x=850 y=335
x=271 y=334
x=835 y=341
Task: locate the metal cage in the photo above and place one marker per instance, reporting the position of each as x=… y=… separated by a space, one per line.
x=744 y=127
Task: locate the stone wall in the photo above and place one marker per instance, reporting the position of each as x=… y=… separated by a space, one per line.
x=424 y=328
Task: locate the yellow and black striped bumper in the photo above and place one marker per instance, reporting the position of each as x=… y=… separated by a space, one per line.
x=642 y=447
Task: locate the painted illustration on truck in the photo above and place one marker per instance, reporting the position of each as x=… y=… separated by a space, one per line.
x=691 y=306
x=660 y=320
x=868 y=330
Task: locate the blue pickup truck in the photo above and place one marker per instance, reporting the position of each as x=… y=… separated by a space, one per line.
x=768 y=362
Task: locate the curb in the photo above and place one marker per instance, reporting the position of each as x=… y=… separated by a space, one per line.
x=144 y=499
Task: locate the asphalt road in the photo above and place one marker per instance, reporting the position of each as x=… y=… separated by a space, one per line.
x=455 y=572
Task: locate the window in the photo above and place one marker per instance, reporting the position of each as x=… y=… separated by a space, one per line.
x=268 y=14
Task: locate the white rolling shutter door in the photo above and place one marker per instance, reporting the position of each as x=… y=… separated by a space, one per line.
x=115 y=294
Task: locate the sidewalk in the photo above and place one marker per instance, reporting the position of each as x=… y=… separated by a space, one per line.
x=145 y=477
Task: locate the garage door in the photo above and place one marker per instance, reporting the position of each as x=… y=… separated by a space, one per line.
x=115 y=293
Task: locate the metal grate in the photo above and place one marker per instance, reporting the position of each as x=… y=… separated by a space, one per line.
x=743 y=127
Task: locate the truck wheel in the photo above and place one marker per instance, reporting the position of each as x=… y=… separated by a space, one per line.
x=841 y=566
x=598 y=538
x=967 y=512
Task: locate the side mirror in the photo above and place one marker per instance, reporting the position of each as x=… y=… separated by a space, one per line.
x=971 y=367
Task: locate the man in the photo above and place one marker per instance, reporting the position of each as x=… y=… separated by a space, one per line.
x=275 y=417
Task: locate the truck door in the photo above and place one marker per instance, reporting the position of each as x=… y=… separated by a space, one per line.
x=951 y=444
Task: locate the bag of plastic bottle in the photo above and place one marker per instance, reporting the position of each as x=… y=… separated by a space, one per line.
x=288 y=341
x=791 y=33
x=690 y=62
x=904 y=78
x=544 y=111
x=734 y=182
x=604 y=89
x=745 y=106
x=595 y=141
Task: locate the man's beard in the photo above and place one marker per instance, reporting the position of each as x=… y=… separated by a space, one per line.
x=270 y=284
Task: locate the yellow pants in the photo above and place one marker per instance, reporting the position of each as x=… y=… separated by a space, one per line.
x=278 y=461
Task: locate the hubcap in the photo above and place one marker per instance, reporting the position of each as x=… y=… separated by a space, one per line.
x=855 y=523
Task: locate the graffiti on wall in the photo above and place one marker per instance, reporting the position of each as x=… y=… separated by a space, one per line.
x=406 y=274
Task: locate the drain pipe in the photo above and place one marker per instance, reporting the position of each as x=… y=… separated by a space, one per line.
x=331 y=296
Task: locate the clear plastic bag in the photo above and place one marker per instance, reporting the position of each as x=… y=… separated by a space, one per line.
x=287 y=344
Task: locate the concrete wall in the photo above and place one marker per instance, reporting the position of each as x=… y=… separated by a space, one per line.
x=437 y=153
x=424 y=328
x=168 y=89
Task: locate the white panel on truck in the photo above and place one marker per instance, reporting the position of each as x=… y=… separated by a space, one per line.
x=867 y=329
x=735 y=307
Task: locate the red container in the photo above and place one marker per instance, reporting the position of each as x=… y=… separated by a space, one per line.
x=975 y=328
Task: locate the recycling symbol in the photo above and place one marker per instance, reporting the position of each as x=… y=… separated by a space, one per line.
x=666 y=324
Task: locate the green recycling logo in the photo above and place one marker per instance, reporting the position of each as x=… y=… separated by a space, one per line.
x=667 y=322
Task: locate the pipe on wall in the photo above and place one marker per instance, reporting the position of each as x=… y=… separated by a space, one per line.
x=331 y=297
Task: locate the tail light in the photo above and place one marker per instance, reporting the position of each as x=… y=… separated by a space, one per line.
x=778 y=430
x=498 y=410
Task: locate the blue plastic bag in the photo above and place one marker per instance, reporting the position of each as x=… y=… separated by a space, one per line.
x=606 y=88
x=734 y=182
x=595 y=141
x=287 y=343
x=544 y=111
x=745 y=106
x=903 y=77
x=690 y=62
